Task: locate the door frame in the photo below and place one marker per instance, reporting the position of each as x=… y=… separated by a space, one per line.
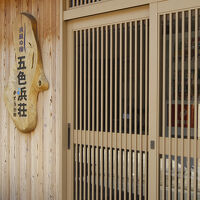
x=87 y=22
x=153 y=95
x=154 y=9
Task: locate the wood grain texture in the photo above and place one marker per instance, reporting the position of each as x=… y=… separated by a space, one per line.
x=27 y=77
x=30 y=164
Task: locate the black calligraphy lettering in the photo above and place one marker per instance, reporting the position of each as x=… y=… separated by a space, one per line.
x=22 y=110
x=21 y=78
x=21 y=63
x=22 y=94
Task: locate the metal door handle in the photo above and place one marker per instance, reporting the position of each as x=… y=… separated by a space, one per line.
x=69 y=135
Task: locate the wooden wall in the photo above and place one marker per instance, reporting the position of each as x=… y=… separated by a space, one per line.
x=29 y=164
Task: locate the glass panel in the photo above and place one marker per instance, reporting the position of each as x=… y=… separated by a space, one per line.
x=109 y=164
x=185 y=177
x=82 y=170
x=86 y=171
x=138 y=178
x=79 y=171
x=179 y=177
x=75 y=175
x=143 y=173
x=122 y=171
x=192 y=174
x=173 y=176
x=191 y=184
x=167 y=165
x=118 y=172
x=92 y=65
x=128 y=168
x=161 y=181
x=198 y=178
x=185 y=59
x=133 y=173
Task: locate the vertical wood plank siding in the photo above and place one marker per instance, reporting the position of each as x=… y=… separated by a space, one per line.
x=28 y=163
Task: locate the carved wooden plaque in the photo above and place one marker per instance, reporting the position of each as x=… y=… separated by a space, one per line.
x=27 y=77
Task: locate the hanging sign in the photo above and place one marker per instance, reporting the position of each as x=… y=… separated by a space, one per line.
x=27 y=77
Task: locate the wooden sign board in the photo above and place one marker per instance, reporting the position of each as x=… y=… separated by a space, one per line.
x=27 y=77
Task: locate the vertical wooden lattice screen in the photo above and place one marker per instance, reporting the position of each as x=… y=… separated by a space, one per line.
x=77 y=3
x=111 y=111
x=179 y=38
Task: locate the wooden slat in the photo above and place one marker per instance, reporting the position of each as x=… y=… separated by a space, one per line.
x=37 y=157
x=97 y=114
x=125 y=113
x=130 y=105
x=141 y=112
x=85 y=153
x=135 y=114
x=115 y=161
x=102 y=111
x=164 y=100
x=5 y=127
x=120 y=113
x=1 y=89
x=189 y=104
x=80 y=117
x=182 y=98
x=76 y=114
x=89 y=110
x=106 y=114
x=93 y=108
x=111 y=111
x=14 y=134
x=78 y=3
x=51 y=98
x=179 y=152
x=130 y=138
x=176 y=104
x=25 y=143
x=195 y=102
x=146 y=105
x=170 y=103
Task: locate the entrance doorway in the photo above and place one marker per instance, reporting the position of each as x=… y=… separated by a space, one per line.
x=108 y=65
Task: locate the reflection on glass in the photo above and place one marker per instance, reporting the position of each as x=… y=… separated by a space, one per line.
x=192 y=174
x=144 y=176
x=173 y=176
x=128 y=167
x=179 y=177
x=161 y=175
x=122 y=172
x=180 y=60
x=185 y=177
x=166 y=175
x=198 y=178
x=170 y=163
x=133 y=172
